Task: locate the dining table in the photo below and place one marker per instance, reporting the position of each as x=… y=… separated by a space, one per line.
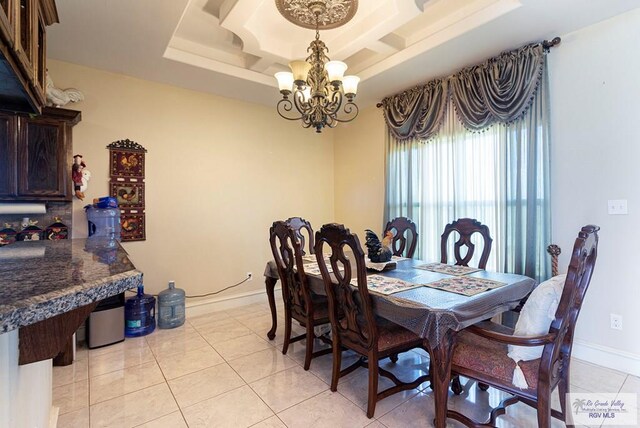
x=436 y=315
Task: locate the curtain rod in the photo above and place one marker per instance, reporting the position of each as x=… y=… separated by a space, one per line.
x=546 y=45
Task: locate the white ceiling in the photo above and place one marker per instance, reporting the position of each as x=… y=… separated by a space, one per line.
x=233 y=47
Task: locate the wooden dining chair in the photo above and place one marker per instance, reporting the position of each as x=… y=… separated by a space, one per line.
x=298 y=224
x=481 y=351
x=404 y=231
x=353 y=322
x=466 y=228
x=300 y=303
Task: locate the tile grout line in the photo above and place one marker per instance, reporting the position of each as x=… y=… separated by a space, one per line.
x=168 y=386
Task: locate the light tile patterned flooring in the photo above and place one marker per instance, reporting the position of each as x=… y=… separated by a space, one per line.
x=219 y=370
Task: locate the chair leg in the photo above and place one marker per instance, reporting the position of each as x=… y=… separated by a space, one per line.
x=456 y=385
x=393 y=358
x=309 y=345
x=373 y=385
x=563 y=390
x=337 y=362
x=287 y=330
x=544 y=409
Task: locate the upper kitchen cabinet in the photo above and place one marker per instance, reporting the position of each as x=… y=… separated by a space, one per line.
x=36 y=155
x=23 y=53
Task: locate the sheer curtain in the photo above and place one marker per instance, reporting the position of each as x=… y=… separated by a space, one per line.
x=499 y=176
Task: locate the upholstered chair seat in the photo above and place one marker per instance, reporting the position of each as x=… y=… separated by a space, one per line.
x=392 y=336
x=491 y=358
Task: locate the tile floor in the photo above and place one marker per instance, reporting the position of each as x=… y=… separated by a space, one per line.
x=219 y=370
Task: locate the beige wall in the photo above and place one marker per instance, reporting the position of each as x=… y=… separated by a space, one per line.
x=594 y=113
x=218 y=173
x=359 y=172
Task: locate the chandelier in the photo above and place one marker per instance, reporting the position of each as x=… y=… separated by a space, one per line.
x=316 y=91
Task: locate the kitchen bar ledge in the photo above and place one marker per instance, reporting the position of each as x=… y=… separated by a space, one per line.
x=42 y=279
x=47 y=290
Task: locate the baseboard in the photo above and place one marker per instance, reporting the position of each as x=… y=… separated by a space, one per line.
x=607 y=357
x=202 y=307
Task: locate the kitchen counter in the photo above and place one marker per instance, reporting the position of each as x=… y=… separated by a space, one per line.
x=47 y=290
x=42 y=279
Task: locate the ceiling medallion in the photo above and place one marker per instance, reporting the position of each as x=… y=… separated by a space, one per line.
x=329 y=13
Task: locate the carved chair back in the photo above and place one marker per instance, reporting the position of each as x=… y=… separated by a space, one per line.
x=287 y=253
x=583 y=259
x=356 y=328
x=466 y=228
x=298 y=224
x=404 y=230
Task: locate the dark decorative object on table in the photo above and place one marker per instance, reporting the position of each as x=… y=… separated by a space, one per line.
x=379 y=252
x=7 y=235
x=57 y=230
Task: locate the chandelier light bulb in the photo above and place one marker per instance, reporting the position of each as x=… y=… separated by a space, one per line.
x=285 y=81
x=335 y=70
x=300 y=70
x=350 y=85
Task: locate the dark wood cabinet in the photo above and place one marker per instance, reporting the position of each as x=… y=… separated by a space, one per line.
x=7 y=29
x=8 y=139
x=38 y=155
x=23 y=53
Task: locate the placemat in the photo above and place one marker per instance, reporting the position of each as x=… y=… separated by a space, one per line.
x=309 y=258
x=448 y=269
x=385 y=285
x=314 y=269
x=465 y=285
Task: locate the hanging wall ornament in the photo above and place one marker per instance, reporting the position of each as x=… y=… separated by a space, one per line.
x=80 y=176
x=126 y=165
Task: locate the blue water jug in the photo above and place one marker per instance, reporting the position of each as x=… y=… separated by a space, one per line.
x=171 y=307
x=139 y=314
x=103 y=222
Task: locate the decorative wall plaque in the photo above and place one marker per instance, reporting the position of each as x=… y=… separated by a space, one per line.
x=126 y=166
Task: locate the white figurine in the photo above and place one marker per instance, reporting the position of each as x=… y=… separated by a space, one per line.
x=59 y=97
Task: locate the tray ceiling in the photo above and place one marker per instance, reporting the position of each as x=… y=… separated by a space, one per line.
x=250 y=38
x=233 y=47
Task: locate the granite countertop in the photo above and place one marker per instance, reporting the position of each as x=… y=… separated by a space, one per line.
x=42 y=279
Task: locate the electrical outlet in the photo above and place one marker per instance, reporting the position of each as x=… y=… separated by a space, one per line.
x=617 y=207
x=250 y=276
x=616 y=321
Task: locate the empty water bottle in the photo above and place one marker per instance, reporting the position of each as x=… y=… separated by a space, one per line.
x=171 y=307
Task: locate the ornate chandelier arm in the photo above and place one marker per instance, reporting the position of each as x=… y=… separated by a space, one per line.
x=304 y=107
x=285 y=106
x=337 y=106
x=285 y=109
x=350 y=111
